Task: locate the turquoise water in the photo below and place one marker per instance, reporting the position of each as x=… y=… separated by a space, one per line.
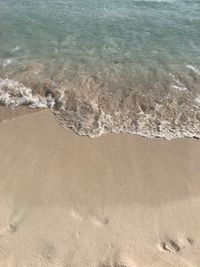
x=148 y=33
x=148 y=50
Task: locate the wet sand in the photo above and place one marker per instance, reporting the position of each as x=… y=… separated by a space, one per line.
x=7 y=113
x=114 y=201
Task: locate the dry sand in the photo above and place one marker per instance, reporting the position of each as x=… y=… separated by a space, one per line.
x=113 y=201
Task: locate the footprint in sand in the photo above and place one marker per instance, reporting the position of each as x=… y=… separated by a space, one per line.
x=99 y=221
x=173 y=246
x=48 y=252
x=76 y=215
x=170 y=246
x=14 y=221
x=10 y=228
x=94 y=219
x=118 y=258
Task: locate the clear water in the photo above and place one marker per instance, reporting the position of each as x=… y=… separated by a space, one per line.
x=134 y=32
x=137 y=48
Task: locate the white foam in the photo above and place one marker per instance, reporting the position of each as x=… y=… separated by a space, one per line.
x=178 y=86
x=7 y=62
x=99 y=121
x=194 y=69
x=197 y=100
x=146 y=126
x=15 y=94
x=16 y=49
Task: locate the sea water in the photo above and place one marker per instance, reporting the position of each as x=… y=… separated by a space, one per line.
x=105 y=66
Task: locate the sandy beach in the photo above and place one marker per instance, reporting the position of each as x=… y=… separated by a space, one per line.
x=114 y=201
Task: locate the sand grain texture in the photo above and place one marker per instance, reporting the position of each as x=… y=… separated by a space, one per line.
x=113 y=201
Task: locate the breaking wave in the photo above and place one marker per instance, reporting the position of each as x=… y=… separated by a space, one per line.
x=92 y=110
x=14 y=94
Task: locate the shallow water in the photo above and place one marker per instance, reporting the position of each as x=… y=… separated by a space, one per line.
x=122 y=66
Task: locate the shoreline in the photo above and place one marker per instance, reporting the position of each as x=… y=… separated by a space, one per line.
x=90 y=108
x=8 y=113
